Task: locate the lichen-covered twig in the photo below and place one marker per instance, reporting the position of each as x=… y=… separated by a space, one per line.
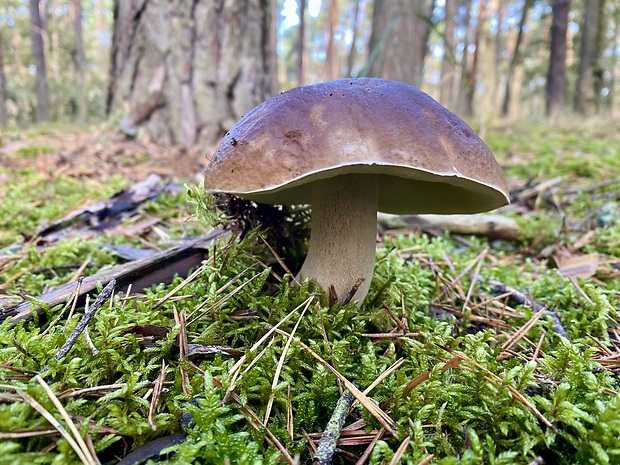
x=521 y=299
x=79 y=329
x=327 y=447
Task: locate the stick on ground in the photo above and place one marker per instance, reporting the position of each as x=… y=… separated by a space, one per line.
x=327 y=447
x=79 y=329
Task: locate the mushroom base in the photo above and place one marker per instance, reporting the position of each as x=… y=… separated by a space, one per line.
x=343 y=236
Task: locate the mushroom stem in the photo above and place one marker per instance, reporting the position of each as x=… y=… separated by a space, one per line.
x=344 y=234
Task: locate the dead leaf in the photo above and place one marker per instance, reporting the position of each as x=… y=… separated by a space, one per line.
x=572 y=265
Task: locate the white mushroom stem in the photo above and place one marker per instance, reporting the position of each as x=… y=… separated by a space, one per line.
x=344 y=234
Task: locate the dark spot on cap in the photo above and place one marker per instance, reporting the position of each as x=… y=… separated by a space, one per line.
x=233 y=141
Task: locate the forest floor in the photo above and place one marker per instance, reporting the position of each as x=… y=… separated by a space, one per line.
x=132 y=329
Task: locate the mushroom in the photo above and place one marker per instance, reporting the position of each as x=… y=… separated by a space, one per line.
x=349 y=148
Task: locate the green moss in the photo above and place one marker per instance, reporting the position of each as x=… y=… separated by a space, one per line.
x=466 y=414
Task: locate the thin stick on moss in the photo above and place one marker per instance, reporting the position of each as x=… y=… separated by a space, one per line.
x=521 y=299
x=327 y=447
x=88 y=315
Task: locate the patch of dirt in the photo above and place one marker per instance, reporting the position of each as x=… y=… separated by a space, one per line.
x=105 y=154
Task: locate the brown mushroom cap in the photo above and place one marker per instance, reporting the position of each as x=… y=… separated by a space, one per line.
x=428 y=160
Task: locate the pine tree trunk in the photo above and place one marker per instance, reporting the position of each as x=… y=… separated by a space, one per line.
x=330 y=51
x=351 y=55
x=584 y=88
x=465 y=59
x=77 y=53
x=473 y=69
x=187 y=70
x=38 y=53
x=556 y=76
x=301 y=43
x=446 y=89
x=398 y=41
x=4 y=116
x=517 y=57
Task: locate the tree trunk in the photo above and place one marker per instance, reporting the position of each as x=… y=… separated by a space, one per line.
x=38 y=54
x=355 y=28
x=473 y=69
x=77 y=54
x=4 y=116
x=615 y=69
x=584 y=88
x=600 y=42
x=188 y=70
x=330 y=50
x=498 y=50
x=398 y=40
x=446 y=89
x=465 y=59
x=556 y=75
x=301 y=43
x=517 y=57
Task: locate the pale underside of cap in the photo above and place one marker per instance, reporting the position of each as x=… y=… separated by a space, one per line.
x=428 y=160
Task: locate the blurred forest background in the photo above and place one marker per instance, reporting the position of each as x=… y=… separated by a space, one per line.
x=184 y=71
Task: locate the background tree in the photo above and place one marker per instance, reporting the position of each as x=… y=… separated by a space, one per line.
x=188 y=70
x=38 y=53
x=584 y=87
x=500 y=51
x=4 y=117
x=446 y=89
x=77 y=53
x=301 y=43
x=556 y=76
x=516 y=57
x=400 y=30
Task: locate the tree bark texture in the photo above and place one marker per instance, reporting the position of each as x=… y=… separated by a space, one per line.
x=473 y=69
x=446 y=89
x=517 y=57
x=556 y=75
x=584 y=88
x=38 y=54
x=4 y=97
x=330 y=52
x=301 y=43
x=465 y=59
x=187 y=70
x=77 y=54
x=398 y=40
x=351 y=54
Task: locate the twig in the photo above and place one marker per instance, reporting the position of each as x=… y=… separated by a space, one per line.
x=521 y=299
x=88 y=315
x=327 y=447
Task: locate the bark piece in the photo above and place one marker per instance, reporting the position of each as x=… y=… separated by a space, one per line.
x=493 y=226
x=141 y=274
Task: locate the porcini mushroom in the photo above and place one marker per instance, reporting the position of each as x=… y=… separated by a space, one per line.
x=349 y=148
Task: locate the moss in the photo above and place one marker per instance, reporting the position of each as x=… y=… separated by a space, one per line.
x=439 y=287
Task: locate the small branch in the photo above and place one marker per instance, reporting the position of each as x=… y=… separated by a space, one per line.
x=327 y=447
x=97 y=304
x=521 y=299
